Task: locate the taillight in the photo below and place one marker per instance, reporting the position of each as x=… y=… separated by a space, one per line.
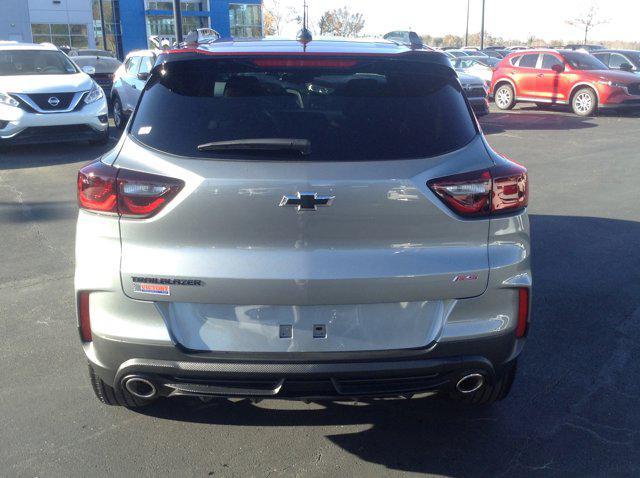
x=84 y=317
x=143 y=195
x=97 y=188
x=510 y=188
x=108 y=190
x=501 y=189
x=523 y=312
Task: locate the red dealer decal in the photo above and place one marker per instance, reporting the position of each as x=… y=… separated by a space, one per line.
x=156 y=289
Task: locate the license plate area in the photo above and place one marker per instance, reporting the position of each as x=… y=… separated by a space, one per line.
x=323 y=328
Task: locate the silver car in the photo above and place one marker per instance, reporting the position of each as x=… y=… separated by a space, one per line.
x=128 y=81
x=319 y=220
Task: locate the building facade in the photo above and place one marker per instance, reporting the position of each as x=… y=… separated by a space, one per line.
x=122 y=25
x=62 y=22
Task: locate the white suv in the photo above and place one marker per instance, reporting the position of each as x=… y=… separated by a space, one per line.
x=44 y=97
x=128 y=82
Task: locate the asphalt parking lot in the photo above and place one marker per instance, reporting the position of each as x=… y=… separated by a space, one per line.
x=574 y=409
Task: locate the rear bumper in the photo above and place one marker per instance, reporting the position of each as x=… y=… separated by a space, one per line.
x=303 y=376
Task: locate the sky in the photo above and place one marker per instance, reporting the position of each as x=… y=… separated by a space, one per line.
x=510 y=19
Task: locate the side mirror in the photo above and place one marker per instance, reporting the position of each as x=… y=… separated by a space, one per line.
x=557 y=68
x=626 y=67
x=89 y=70
x=143 y=76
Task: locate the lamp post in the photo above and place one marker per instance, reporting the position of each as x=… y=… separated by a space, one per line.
x=482 y=28
x=177 y=20
x=103 y=26
x=466 y=32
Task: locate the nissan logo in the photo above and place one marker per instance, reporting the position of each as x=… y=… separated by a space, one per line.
x=54 y=101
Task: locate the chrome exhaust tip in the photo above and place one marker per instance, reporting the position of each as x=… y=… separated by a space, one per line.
x=470 y=383
x=140 y=387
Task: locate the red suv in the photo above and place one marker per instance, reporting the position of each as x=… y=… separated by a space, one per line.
x=563 y=77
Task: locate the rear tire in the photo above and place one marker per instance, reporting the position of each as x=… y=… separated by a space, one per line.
x=111 y=396
x=505 y=97
x=584 y=102
x=490 y=393
x=119 y=118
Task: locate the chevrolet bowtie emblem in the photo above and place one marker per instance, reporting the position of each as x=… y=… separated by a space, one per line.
x=306 y=201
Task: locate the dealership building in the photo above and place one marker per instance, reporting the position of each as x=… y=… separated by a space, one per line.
x=122 y=25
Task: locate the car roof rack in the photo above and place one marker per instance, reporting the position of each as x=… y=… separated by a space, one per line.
x=406 y=38
x=201 y=36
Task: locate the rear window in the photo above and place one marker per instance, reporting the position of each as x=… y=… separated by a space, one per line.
x=365 y=110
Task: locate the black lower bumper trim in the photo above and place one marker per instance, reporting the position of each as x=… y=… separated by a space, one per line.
x=54 y=134
x=304 y=380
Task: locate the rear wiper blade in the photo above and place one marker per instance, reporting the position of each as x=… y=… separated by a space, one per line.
x=303 y=146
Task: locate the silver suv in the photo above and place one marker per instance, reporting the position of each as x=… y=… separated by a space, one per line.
x=321 y=220
x=128 y=82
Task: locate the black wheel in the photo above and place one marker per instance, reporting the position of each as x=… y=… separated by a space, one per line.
x=111 y=396
x=119 y=118
x=584 y=102
x=102 y=140
x=490 y=393
x=505 y=97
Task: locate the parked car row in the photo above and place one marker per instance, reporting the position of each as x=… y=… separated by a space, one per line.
x=587 y=82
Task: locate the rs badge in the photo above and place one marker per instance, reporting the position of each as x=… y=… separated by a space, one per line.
x=465 y=277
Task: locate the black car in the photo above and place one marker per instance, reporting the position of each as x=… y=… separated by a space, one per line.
x=104 y=68
x=625 y=60
x=496 y=52
x=585 y=47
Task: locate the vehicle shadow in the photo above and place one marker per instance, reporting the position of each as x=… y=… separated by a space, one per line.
x=41 y=155
x=566 y=109
x=532 y=119
x=36 y=211
x=573 y=409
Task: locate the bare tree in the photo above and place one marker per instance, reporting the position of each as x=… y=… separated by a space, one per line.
x=273 y=17
x=588 y=21
x=341 y=22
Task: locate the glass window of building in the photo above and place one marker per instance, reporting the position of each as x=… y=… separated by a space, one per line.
x=161 y=24
x=185 y=5
x=245 y=20
x=113 y=36
x=61 y=34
